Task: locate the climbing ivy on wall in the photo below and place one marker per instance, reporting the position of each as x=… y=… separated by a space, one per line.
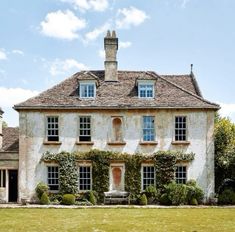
x=164 y=162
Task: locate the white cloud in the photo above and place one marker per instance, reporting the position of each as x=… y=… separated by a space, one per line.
x=227 y=110
x=3 y=55
x=101 y=53
x=83 y=5
x=131 y=16
x=59 y=67
x=12 y=96
x=17 y=51
x=93 y=35
x=62 y=25
x=124 y=44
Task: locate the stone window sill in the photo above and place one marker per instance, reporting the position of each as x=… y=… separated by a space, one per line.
x=117 y=143
x=180 y=142
x=52 y=142
x=146 y=143
x=84 y=143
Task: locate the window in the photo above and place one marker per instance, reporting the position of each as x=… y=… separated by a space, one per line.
x=52 y=128
x=146 y=90
x=84 y=128
x=53 y=177
x=2 y=178
x=84 y=178
x=181 y=174
x=180 y=128
x=148 y=176
x=87 y=90
x=148 y=128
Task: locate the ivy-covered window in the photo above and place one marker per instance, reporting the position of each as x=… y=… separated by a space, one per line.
x=2 y=178
x=84 y=128
x=53 y=177
x=148 y=128
x=87 y=90
x=181 y=174
x=148 y=175
x=52 y=128
x=85 y=178
x=180 y=128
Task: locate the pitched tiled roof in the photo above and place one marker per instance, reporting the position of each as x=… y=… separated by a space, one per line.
x=171 y=91
x=10 y=139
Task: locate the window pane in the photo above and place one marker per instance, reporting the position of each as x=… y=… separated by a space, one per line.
x=52 y=128
x=146 y=90
x=180 y=128
x=181 y=174
x=52 y=177
x=87 y=90
x=148 y=176
x=84 y=178
x=148 y=128
x=84 y=128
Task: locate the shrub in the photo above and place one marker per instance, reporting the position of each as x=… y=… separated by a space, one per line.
x=68 y=199
x=40 y=189
x=193 y=191
x=227 y=197
x=143 y=200
x=164 y=199
x=44 y=200
x=193 y=201
x=55 y=197
x=92 y=198
x=191 y=183
x=177 y=193
x=151 y=194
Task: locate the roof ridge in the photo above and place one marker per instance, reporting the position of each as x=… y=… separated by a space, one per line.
x=179 y=87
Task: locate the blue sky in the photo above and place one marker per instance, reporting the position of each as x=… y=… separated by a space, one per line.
x=44 y=41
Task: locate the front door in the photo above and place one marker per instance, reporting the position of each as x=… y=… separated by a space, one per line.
x=13 y=185
x=117 y=177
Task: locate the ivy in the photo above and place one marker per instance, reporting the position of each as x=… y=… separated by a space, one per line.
x=164 y=162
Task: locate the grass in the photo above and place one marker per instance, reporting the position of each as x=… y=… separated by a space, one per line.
x=97 y=220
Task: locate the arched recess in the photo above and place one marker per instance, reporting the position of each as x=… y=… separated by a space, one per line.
x=117 y=129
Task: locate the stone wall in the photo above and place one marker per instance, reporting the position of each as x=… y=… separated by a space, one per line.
x=33 y=131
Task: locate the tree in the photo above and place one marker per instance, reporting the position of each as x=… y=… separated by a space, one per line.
x=224 y=149
x=4 y=124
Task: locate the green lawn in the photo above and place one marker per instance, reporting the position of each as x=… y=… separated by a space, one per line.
x=98 y=220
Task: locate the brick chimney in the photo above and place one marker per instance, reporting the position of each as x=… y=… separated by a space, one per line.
x=1 y=113
x=111 y=47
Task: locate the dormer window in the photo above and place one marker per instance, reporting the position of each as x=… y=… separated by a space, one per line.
x=87 y=90
x=146 y=89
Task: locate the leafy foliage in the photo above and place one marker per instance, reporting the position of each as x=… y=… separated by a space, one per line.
x=143 y=200
x=40 y=189
x=68 y=199
x=164 y=162
x=224 y=150
x=44 y=200
x=227 y=197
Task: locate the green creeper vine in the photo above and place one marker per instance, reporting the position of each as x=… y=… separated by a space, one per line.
x=164 y=162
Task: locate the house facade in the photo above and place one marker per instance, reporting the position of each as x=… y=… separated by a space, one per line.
x=123 y=111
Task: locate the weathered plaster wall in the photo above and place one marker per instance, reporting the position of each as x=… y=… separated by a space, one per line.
x=32 y=136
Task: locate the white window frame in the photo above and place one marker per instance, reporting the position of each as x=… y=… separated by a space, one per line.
x=84 y=165
x=3 y=174
x=142 y=174
x=79 y=128
x=186 y=128
x=146 y=85
x=53 y=178
x=143 y=128
x=47 y=128
x=86 y=84
x=186 y=173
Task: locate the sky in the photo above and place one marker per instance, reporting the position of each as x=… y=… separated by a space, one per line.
x=42 y=42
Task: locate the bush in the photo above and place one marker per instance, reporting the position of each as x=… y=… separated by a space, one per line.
x=40 y=189
x=44 y=200
x=164 y=199
x=227 y=197
x=177 y=193
x=151 y=194
x=68 y=199
x=143 y=200
x=193 y=201
x=55 y=197
x=191 y=183
x=92 y=198
x=193 y=191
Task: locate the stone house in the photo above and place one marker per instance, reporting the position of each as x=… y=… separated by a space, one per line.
x=9 y=162
x=124 y=111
